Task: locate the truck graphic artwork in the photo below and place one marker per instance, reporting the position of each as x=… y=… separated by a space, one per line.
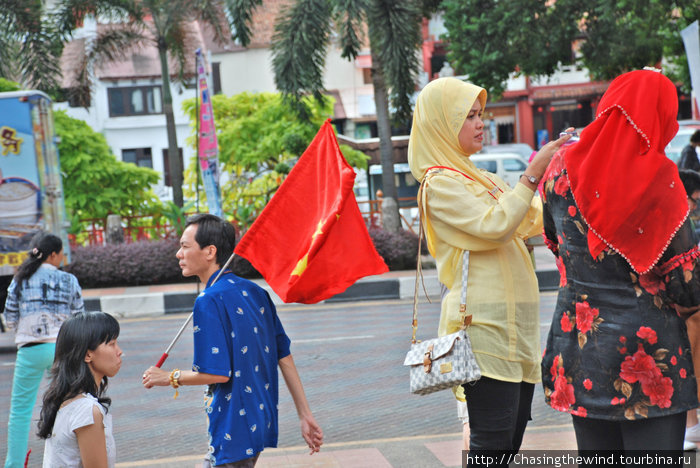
x=31 y=192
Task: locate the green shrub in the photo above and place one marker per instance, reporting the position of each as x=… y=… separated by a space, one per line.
x=136 y=264
x=154 y=262
x=398 y=249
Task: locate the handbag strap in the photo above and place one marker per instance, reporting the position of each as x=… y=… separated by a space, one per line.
x=465 y=319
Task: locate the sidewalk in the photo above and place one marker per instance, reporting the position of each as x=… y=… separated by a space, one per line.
x=136 y=301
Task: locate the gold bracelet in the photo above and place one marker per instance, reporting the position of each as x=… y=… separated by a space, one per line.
x=174 y=382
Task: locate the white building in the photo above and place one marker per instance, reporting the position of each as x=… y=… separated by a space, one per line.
x=126 y=104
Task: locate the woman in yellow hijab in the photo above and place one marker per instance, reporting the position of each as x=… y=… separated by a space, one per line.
x=465 y=208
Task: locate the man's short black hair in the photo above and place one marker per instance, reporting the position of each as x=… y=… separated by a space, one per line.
x=212 y=230
x=695 y=137
x=691 y=181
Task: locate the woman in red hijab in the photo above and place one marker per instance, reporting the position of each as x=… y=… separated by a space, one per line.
x=615 y=215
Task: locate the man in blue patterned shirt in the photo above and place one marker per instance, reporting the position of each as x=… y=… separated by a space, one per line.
x=238 y=343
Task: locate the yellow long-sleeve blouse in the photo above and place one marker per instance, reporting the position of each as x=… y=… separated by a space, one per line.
x=502 y=294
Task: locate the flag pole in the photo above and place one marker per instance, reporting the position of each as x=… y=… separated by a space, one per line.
x=182 y=328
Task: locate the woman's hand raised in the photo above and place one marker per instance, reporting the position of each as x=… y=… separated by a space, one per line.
x=541 y=160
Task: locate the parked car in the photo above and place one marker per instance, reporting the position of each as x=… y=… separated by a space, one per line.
x=685 y=129
x=507 y=166
x=523 y=149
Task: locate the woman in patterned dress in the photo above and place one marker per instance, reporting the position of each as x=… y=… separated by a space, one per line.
x=615 y=215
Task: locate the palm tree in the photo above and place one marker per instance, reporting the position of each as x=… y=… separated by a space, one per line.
x=29 y=45
x=38 y=37
x=303 y=35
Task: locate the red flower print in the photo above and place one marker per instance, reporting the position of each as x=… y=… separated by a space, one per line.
x=588 y=384
x=623 y=339
x=561 y=185
x=566 y=325
x=615 y=401
x=556 y=165
x=572 y=210
x=683 y=373
x=674 y=361
x=623 y=350
x=585 y=315
x=553 y=369
x=563 y=396
x=639 y=367
x=680 y=351
x=562 y=271
x=659 y=391
x=648 y=334
x=581 y=412
x=652 y=283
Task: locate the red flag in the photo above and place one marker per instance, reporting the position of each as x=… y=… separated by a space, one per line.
x=310 y=242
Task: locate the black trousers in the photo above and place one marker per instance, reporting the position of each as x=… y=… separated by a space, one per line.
x=664 y=433
x=498 y=414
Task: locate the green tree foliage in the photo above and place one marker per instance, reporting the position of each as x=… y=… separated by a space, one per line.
x=7 y=85
x=30 y=45
x=489 y=39
x=95 y=183
x=259 y=139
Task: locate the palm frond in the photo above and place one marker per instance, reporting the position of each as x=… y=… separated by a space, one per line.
x=213 y=13
x=30 y=45
x=350 y=16
x=395 y=38
x=69 y=14
x=177 y=38
x=239 y=14
x=39 y=59
x=299 y=45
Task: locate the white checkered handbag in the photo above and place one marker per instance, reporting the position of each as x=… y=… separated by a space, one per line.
x=447 y=361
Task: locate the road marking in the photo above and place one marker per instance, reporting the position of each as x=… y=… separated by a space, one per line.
x=338 y=338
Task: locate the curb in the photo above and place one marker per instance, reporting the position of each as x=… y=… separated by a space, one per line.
x=366 y=289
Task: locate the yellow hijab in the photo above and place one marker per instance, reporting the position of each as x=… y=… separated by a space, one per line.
x=440 y=111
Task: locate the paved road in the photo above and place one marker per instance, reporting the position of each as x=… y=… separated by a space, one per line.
x=349 y=356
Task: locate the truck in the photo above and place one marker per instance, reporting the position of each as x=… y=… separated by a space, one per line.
x=31 y=191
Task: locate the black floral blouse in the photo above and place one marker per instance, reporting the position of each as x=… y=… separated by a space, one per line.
x=616 y=348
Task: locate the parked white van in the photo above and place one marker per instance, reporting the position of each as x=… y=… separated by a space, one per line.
x=507 y=166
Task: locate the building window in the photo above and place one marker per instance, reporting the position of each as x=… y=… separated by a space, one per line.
x=216 y=77
x=135 y=100
x=166 y=166
x=139 y=156
x=367 y=75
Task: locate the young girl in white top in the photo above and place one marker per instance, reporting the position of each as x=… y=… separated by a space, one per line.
x=74 y=419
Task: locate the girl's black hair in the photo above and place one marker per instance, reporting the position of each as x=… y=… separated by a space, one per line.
x=70 y=374
x=42 y=245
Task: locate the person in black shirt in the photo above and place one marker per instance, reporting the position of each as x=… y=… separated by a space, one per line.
x=689 y=156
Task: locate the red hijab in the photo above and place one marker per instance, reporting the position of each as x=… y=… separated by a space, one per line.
x=627 y=190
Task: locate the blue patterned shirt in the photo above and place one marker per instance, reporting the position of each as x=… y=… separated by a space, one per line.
x=48 y=298
x=237 y=334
